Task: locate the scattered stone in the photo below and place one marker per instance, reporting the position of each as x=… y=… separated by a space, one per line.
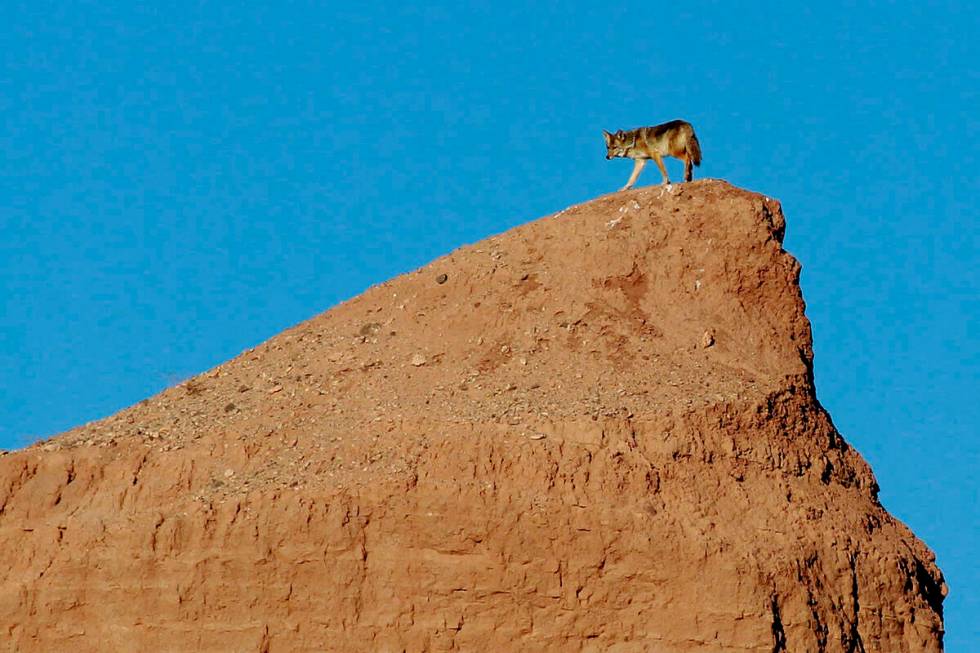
x=370 y=329
x=229 y=473
x=229 y=407
x=418 y=360
x=442 y=278
x=707 y=339
x=275 y=389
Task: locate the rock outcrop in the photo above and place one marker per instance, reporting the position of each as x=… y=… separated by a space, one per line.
x=595 y=432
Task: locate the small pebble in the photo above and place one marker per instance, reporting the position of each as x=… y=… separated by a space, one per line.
x=707 y=339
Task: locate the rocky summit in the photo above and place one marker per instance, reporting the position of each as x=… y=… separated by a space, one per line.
x=595 y=432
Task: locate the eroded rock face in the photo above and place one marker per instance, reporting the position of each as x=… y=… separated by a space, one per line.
x=595 y=432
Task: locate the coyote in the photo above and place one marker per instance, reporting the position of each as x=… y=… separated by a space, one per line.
x=675 y=138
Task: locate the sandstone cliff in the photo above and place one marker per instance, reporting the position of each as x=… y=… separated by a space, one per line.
x=595 y=432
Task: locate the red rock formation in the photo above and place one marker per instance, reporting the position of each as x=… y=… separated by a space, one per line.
x=595 y=432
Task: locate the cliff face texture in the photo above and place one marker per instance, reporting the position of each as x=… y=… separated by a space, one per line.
x=595 y=432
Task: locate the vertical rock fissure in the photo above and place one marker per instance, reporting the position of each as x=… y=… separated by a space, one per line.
x=853 y=641
x=778 y=634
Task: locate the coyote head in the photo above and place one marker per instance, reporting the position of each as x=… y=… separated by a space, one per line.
x=616 y=144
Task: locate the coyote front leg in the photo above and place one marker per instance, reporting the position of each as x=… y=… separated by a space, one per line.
x=637 y=167
x=660 y=164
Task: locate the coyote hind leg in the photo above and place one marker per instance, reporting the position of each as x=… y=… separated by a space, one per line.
x=688 y=169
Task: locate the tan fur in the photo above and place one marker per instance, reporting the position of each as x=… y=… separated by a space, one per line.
x=675 y=138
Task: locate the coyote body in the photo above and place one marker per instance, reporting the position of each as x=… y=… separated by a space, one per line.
x=675 y=138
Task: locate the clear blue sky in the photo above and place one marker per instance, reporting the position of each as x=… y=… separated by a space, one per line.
x=180 y=182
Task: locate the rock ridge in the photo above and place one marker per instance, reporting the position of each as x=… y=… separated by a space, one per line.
x=597 y=431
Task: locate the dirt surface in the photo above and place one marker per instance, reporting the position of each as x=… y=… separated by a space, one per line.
x=595 y=432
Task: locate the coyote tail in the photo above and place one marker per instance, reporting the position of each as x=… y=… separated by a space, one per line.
x=694 y=149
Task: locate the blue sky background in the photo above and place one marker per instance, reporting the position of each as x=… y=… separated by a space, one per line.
x=179 y=182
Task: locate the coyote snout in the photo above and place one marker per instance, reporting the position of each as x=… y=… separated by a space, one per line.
x=675 y=138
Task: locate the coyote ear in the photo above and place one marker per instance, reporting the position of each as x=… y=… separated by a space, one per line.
x=606 y=135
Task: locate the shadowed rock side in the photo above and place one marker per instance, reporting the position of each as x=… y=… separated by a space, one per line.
x=595 y=432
